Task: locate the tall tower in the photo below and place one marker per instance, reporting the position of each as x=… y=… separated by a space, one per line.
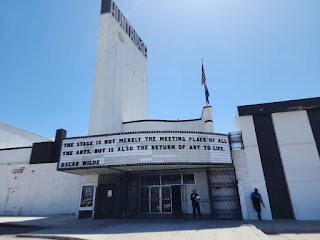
x=120 y=91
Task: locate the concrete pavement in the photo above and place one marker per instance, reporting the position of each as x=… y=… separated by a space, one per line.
x=296 y=236
x=69 y=227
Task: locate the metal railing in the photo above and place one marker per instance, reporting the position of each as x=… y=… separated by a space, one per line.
x=236 y=140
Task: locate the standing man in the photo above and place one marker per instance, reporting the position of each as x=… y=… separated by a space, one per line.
x=256 y=200
x=195 y=198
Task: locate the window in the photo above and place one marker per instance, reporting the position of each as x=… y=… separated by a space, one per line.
x=150 y=180
x=188 y=178
x=171 y=179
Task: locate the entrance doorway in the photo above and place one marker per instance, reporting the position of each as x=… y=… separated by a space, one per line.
x=120 y=195
x=176 y=200
x=160 y=199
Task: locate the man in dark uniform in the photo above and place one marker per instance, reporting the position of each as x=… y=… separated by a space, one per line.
x=195 y=198
x=256 y=200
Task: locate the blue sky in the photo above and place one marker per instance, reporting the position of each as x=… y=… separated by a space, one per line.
x=254 y=51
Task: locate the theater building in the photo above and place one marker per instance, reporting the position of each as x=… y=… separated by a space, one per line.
x=131 y=166
x=138 y=166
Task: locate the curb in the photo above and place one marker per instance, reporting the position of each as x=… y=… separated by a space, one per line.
x=48 y=237
x=17 y=225
x=288 y=231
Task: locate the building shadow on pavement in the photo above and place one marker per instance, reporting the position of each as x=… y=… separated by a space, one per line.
x=86 y=228
x=72 y=225
x=287 y=226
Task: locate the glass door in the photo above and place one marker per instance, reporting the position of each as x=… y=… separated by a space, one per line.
x=155 y=200
x=166 y=199
x=144 y=200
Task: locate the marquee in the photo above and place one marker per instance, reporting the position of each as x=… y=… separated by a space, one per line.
x=160 y=147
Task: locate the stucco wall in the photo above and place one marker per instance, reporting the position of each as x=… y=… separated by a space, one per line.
x=203 y=124
x=15 y=156
x=38 y=190
x=249 y=171
x=202 y=190
x=201 y=185
x=246 y=185
x=300 y=159
x=120 y=91
x=11 y=137
x=196 y=125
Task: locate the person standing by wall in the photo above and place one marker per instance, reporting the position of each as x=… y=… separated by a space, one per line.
x=195 y=198
x=257 y=200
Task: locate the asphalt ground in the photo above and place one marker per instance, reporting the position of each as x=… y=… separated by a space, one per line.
x=10 y=231
x=70 y=228
x=295 y=236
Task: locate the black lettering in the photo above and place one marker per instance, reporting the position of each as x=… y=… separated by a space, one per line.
x=99 y=150
x=67 y=153
x=68 y=145
x=88 y=143
x=69 y=164
x=109 y=141
x=91 y=163
x=162 y=147
x=194 y=147
x=86 y=151
x=150 y=138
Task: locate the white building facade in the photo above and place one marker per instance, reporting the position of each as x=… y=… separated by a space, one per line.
x=120 y=91
x=281 y=158
x=131 y=166
x=154 y=163
x=28 y=188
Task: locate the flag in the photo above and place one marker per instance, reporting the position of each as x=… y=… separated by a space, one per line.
x=203 y=79
x=203 y=82
x=206 y=91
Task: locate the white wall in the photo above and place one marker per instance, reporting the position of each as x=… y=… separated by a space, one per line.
x=201 y=186
x=15 y=156
x=38 y=190
x=198 y=125
x=301 y=162
x=120 y=91
x=11 y=137
x=249 y=170
x=202 y=190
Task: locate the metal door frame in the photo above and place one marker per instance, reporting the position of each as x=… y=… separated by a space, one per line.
x=160 y=198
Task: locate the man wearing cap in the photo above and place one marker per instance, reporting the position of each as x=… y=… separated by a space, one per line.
x=256 y=200
x=195 y=198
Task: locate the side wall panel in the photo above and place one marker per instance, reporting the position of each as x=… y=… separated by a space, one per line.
x=276 y=182
x=249 y=171
x=38 y=190
x=314 y=119
x=301 y=162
